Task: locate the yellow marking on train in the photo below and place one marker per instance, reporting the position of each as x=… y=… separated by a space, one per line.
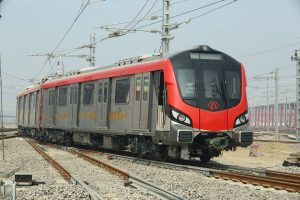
x=117 y=115
x=61 y=116
x=44 y=116
x=87 y=115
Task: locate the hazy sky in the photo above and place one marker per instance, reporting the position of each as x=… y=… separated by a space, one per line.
x=262 y=34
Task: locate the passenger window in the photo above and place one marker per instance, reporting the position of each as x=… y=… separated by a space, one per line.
x=146 y=88
x=75 y=95
x=105 y=92
x=49 y=99
x=88 y=94
x=122 y=91
x=138 y=89
x=30 y=100
x=100 y=93
x=52 y=98
x=72 y=95
x=62 y=97
x=33 y=100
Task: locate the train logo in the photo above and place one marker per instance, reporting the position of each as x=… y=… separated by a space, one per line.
x=213 y=105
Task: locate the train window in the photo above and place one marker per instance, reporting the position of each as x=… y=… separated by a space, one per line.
x=138 y=89
x=88 y=94
x=75 y=95
x=62 y=97
x=233 y=84
x=53 y=98
x=100 y=93
x=122 y=91
x=146 y=89
x=33 y=100
x=211 y=83
x=186 y=82
x=30 y=101
x=72 y=95
x=105 y=92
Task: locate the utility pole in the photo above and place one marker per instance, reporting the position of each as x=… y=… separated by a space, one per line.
x=166 y=37
x=92 y=47
x=1 y=112
x=276 y=103
x=268 y=117
x=296 y=58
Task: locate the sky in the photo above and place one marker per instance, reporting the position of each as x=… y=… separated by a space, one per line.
x=262 y=34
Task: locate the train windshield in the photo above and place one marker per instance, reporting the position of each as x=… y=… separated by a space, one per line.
x=206 y=80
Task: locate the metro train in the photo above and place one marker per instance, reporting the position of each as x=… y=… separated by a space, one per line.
x=190 y=103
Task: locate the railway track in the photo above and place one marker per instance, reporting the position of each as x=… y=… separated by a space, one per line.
x=65 y=173
x=130 y=180
x=9 y=136
x=257 y=177
x=274 y=141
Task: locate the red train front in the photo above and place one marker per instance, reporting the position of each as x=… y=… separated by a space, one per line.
x=206 y=95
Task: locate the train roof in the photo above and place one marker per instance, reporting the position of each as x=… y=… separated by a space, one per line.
x=139 y=64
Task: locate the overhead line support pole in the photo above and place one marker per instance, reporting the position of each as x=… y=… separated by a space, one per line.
x=296 y=58
x=166 y=37
x=92 y=58
x=276 y=103
x=1 y=111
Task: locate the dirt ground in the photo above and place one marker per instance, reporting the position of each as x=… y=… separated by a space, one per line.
x=272 y=155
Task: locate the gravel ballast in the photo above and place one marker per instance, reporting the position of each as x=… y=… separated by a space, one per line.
x=108 y=185
x=21 y=157
x=193 y=185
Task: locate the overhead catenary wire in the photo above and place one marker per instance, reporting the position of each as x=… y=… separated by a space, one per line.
x=210 y=11
x=270 y=50
x=141 y=18
x=81 y=10
x=159 y=10
x=184 y=13
x=193 y=10
x=141 y=10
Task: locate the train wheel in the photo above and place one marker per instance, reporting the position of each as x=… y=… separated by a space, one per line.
x=163 y=153
x=205 y=157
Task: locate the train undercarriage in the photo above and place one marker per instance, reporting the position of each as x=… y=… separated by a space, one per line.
x=204 y=146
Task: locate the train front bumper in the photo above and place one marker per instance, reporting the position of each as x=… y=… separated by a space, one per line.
x=243 y=138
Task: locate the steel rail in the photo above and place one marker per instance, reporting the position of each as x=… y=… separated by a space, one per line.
x=281 y=180
x=134 y=181
x=10 y=137
x=275 y=141
x=99 y=163
x=259 y=180
x=266 y=178
x=65 y=174
x=283 y=175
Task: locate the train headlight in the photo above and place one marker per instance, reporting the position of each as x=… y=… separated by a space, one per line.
x=241 y=120
x=181 y=118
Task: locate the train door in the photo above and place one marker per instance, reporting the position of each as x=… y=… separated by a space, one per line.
x=51 y=104
x=73 y=105
x=120 y=115
x=101 y=105
x=141 y=101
